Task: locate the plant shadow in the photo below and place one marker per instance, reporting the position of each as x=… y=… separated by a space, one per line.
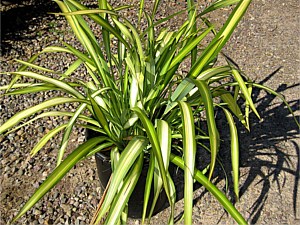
x=262 y=149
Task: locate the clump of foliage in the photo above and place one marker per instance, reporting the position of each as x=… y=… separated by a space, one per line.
x=141 y=106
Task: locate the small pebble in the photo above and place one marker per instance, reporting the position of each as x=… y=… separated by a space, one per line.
x=37 y=212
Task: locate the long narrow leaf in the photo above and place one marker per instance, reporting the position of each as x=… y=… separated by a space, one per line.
x=155 y=6
x=234 y=151
x=189 y=155
x=105 y=145
x=22 y=68
x=205 y=58
x=59 y=173
x=141 y=9
x=214 y=137
x=46 y=138
x=148 y=186
x=67 y=132
x=86 y=12
x=102 y=22
x=221 y=197
x=185 y=86
x=100 y=116
x=151 y=134
x=164 y=136
x=217 y=5
x=63 y=85
x=183 y=52
x=245 y=91
x=28 y=64
x=128 y=156
x=271 y=91
x=125 y=192
x=83 y=118
x=234 y=107
x=30 y=111
x=229 y=26
x=85 y=36
x=180 y=92
x=32 y=89
x=192 y=27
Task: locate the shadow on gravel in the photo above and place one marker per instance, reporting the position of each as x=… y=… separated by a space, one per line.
x=18 y=16
x=266 y=147
x=263 y=149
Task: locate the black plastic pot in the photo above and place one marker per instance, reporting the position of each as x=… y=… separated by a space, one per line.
x=136 y=201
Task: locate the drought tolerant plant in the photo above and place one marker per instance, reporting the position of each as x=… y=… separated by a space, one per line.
x=139 y=104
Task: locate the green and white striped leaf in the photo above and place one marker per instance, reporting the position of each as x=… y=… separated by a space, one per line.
x=22 y=68
x=125 y=192
x=62 y=85
x=148 y=185
x=101 y=22
x=214 y=137
x=128 y=156
x=164 y=136
x=151 y=134
x=99 y=115
x=245 y=91
x=28 y=64
x=83 y=118
x=234 y=151
x=33 y=89
x=229 y=26
x=234 y=107
x=18 y=117
x=189 y=155
x=86 y=12
x=58 y=174
x=46 y=138
x=67 y=132
x=187 y=48
x=219 y=195
x=217 y=5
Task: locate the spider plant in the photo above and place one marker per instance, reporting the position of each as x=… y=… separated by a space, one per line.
x=140 y=105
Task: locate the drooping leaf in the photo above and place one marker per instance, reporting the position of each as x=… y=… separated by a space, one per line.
x=214 y=137
x=217 y=5
x=245 y=91
x=14 y=120
x=271 y=91
x=234 y=151
x=60 y=84
x=59 y=172
x=219 y=195
x=234 y=107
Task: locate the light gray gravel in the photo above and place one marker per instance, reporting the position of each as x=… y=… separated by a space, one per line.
x=268 y=38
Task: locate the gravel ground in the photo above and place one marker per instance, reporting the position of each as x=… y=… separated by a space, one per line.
x=265 y=46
